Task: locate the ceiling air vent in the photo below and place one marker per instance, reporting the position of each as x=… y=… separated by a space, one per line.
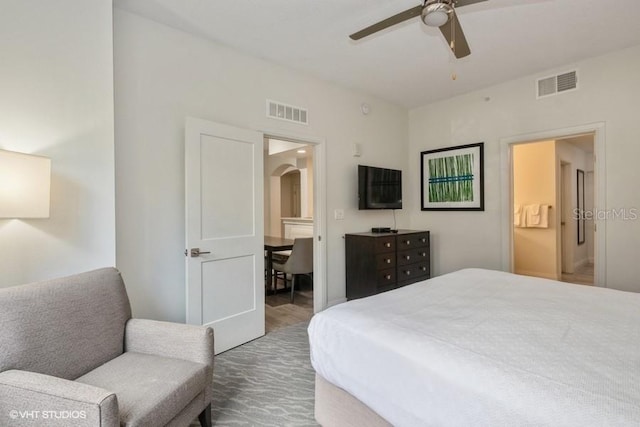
x=289 y=113
x=556 y=84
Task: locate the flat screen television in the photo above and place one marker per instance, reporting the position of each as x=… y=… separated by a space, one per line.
x=379 y=188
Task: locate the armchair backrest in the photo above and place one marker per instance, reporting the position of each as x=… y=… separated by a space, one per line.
x=64 y=327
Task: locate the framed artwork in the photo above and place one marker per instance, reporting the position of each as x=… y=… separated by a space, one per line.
x=452 y=178
x=580 y=193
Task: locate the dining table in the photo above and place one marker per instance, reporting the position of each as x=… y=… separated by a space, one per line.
x=274 y=244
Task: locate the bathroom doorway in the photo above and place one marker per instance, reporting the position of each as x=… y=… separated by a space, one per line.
x=553 y=235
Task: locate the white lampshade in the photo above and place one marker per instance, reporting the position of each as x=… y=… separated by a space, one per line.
x=25 y=185
x=436 y=19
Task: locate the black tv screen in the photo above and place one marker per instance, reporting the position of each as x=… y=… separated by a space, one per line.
x=379 y=188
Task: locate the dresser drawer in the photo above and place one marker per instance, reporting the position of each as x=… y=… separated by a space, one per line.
x=416 y=240
x=385 y=244
x=386 y=277
x=386 y=260
x=411 y=256
x=413 y=273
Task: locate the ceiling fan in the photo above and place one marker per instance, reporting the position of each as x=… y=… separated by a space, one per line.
x=434 y=13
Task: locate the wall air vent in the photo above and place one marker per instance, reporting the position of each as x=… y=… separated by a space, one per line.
x=557 y=84
x=289 y=113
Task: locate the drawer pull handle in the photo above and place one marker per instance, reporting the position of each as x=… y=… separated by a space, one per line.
x=424 y=240
x=388 y=277
x=424 y=254
x=408 y=242
x=388 y=260
x=388 y=245
x=408 y=257
x=424 y=268
x=408 y=273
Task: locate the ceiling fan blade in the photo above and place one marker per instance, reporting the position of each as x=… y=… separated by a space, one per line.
x=395 y=19
x=454 y=36
x=460 y=3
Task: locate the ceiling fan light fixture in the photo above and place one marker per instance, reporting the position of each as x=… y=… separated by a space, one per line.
x=436 y=14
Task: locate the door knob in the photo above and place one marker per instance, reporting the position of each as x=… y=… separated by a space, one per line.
x=195 y=252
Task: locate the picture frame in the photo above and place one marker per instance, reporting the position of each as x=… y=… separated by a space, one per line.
x=452 y=178
x=580 y=193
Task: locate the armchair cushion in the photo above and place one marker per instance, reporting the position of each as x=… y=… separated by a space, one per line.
x=151 y=389
x=29 y=398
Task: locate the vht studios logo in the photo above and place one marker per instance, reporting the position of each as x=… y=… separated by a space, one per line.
x=623 y=214
x=47 y=415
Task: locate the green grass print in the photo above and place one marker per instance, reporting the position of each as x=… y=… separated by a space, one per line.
x=451 y=179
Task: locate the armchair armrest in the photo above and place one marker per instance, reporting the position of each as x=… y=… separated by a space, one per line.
x=176 y=340
x=31 y=399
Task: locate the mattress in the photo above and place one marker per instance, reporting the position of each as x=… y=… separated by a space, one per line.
x=486 y=348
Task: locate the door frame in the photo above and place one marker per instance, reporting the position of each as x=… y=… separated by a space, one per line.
x=599 y=199
x=566 y=243
x=319 y=210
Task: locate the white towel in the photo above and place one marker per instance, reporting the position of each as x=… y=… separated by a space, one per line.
x=533 y=215
x=537 y=216
x=517 y=216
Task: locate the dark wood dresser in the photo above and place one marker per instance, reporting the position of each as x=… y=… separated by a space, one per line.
x=378 y=262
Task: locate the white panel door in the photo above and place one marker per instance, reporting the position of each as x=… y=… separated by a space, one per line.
x=224 y=223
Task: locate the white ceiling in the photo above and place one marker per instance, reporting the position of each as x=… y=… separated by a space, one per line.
x=583 y=142
x=409 y=64
x=287 y=149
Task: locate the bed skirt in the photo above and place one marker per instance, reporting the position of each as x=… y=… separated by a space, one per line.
x=337 y=408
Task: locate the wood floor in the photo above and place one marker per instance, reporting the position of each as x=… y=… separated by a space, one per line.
x=279 y=312
x=581 y=276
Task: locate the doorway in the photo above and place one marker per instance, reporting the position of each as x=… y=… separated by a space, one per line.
x=556 y=177
x=289 y=194
x=225 y=230
x=577 y=196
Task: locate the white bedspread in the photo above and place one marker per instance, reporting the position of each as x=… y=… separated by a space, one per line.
x=487 y=348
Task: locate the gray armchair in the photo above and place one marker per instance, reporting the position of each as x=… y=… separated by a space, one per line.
x=71 y=355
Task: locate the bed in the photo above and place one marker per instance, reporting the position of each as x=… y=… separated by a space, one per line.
x=482 y=348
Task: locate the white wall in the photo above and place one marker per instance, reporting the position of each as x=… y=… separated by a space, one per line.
x=163 y=75
x=609 y=91
x=56 y=100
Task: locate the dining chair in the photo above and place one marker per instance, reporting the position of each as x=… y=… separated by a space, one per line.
x=279 y=257
x=299 y=262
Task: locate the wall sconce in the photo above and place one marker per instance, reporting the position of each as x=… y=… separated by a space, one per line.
x=25 y=185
